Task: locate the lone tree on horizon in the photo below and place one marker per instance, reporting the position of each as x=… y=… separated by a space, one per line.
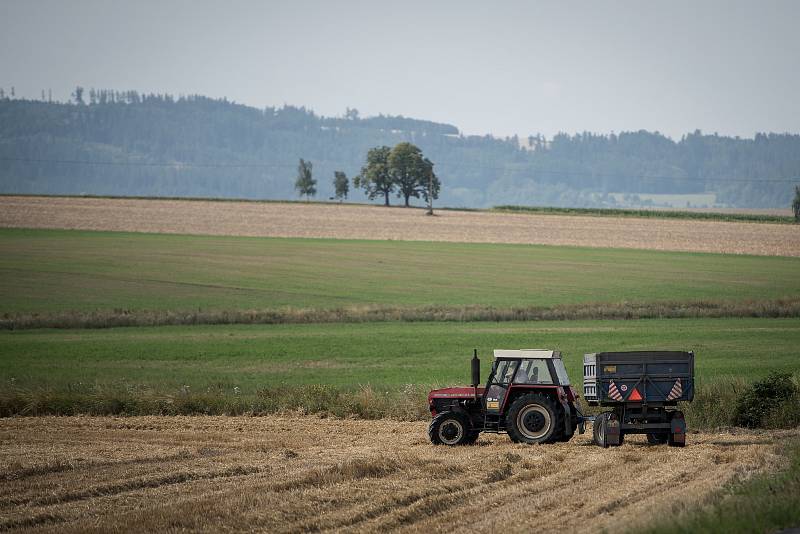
x=306 y=185
x=341 y=185
x=375 y=178
x=413 y=173
x=402 y=169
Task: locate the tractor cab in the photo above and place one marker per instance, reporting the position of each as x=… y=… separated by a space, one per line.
x=527 y=394
x=523 y=369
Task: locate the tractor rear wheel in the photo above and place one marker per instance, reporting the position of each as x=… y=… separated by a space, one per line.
x=451 y=428
x=533 y=418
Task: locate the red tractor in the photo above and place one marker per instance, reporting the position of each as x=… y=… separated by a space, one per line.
x=527 y=395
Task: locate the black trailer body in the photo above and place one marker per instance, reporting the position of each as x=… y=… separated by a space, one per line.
x=643 y=390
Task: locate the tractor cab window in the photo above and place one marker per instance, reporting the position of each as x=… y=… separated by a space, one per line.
x=504 y=371
x=561 y=372
x=533 y=372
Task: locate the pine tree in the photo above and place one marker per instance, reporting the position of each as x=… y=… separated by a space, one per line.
x=78 y=95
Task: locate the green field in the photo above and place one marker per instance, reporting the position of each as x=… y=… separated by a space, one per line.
x=46 y=271
x=651 y=213
x=764 y=503
x=222 y=368
x=252 y=357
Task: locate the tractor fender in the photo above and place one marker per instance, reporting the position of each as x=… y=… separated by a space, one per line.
x=460 y=408
x=568 y=428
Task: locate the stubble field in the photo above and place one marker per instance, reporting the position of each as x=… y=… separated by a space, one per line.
x=276 y=474
x=375 y=222
x=285 y=472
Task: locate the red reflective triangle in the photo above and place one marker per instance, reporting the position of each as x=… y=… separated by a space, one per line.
x=635 y=395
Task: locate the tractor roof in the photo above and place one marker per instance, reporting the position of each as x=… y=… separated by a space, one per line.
x=527 y=353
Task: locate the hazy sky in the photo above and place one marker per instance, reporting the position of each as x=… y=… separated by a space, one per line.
x=487 y=67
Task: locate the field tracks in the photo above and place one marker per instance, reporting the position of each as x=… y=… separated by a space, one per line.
x=292 y=473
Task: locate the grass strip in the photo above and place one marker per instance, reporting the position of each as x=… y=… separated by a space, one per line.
x=649 y=214
x=714 y=406
x=76 y=319
x=765 y=503
x=408 y=403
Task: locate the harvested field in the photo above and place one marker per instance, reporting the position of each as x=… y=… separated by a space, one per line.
x=376 y=222
x=284 y=474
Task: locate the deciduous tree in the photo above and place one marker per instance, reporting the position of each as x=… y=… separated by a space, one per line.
x=796 y=203
x=341 y=184
x=412 y=173
x=306 y=185
x=375 y=178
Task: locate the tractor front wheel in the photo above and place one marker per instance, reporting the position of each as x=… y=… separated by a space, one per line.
x=533 y=418
x=451 y=428
x=657 y=438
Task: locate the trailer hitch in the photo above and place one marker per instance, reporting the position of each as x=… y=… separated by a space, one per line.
x=582 y=420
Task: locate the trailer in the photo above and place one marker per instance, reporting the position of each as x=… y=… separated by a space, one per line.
x=642 y=390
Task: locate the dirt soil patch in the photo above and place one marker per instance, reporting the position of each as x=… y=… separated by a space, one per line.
x=304 y=473
x=377 y=222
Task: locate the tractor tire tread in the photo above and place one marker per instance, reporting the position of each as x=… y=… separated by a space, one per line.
x=525 y=400
x=467 y=438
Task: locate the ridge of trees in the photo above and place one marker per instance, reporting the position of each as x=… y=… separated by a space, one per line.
x=136 y=131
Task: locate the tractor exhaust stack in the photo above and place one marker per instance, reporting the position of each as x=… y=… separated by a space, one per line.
x=476 y=371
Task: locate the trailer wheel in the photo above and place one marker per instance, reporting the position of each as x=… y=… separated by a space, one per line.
x=675 y=440
x=451 y=428
x=657 y=438
x=532 y=418
x=677 y=422
x=597 y=429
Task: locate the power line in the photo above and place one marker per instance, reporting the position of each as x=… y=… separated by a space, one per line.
x=532 y=172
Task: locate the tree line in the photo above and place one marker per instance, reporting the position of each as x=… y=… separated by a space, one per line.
x=403 y=170
x=131 y=143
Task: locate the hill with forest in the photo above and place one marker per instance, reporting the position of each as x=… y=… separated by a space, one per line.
x=127 y=143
